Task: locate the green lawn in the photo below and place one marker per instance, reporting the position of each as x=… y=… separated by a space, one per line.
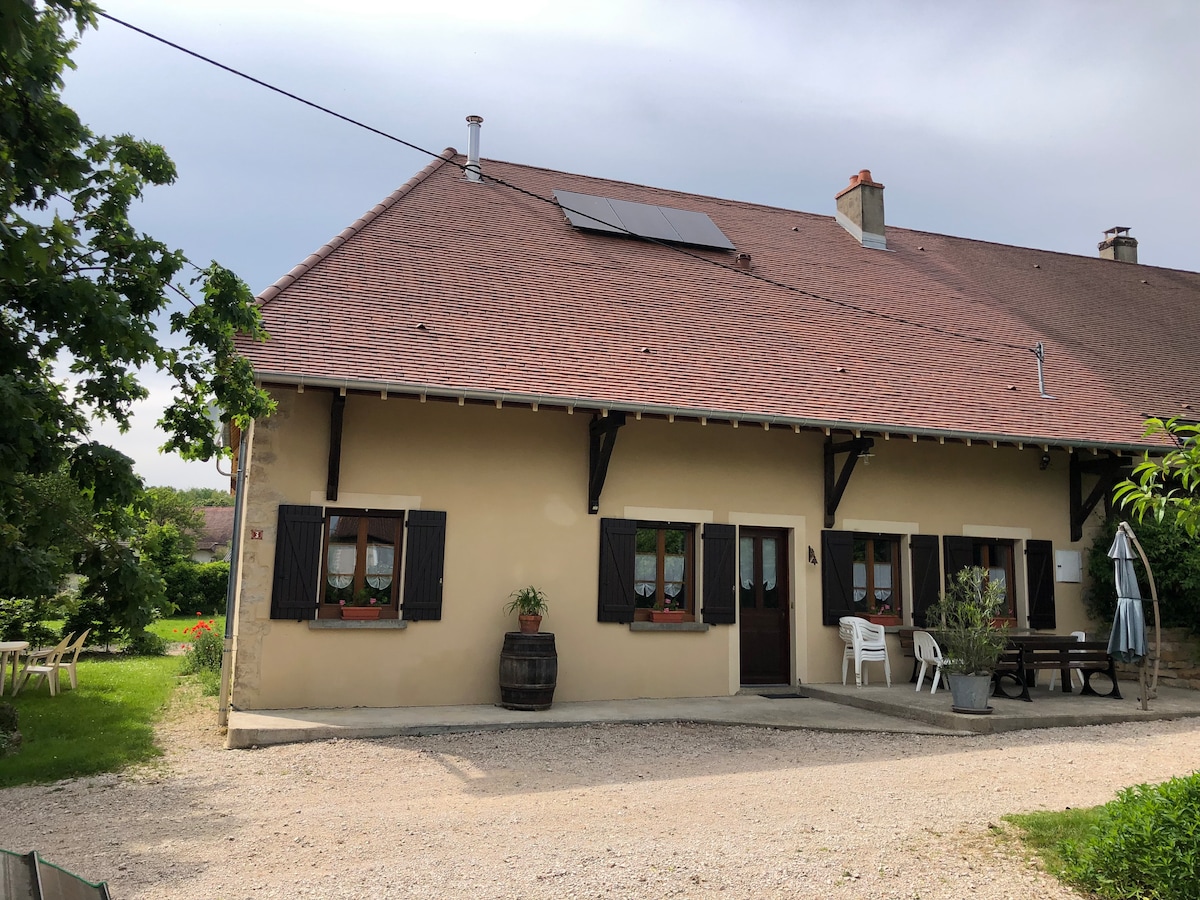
x=103 y=726
x=174 y=629
x=1047 y=830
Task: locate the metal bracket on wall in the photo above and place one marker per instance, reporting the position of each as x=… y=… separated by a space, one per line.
x=337 y=408
x=1109 y=470
x=602 y=435
x=834 y=488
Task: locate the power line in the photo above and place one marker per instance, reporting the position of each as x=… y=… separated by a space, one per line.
x=844 y=304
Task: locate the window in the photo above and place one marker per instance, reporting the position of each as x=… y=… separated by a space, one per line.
x=876 y=575
x=362 y=560
x=641 y=561
x=323 y=555
x=663 y=567
x=996 y=557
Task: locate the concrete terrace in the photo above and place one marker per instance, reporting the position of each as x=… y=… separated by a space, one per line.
x=874 y=708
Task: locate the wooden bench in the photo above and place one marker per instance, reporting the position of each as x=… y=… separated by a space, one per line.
x=1024 y=657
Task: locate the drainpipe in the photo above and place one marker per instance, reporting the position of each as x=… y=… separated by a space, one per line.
x=235 y=557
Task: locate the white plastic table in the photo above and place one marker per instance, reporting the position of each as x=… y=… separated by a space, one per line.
x=13 y=649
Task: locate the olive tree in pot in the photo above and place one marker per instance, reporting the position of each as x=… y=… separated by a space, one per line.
x=530 y=605
x=969 y=626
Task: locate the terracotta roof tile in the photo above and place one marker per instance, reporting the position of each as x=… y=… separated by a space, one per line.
x=516 y=301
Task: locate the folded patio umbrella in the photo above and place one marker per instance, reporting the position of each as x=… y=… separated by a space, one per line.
x=1127 y=642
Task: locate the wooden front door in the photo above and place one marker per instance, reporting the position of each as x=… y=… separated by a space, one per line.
x=764 y=600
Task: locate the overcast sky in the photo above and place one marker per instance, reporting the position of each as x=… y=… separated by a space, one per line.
x=1031 y=123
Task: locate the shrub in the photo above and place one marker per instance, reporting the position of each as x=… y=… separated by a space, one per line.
x=1145 y=844
x=146 y=643
x=94 y=613
x=212 y=582
x=22 y=620
x=1175 y=560
x=197 y=586
x=207 y=647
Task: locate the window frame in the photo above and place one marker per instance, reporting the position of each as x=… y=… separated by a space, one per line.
x=980 y=552
x=896 y=563
x=327 y=609
x=642 y=613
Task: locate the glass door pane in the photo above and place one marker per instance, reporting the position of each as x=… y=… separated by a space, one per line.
x=746 y=572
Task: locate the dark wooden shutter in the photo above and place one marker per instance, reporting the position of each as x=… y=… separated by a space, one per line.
x=618 y=545
x=837 y=575
x=960 y=554
x=720 y=586
x=426 y=551
x=297 y=562
x=927 y=575
x=1039 y=566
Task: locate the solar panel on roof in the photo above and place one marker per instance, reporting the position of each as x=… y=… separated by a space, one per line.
x=662 y=223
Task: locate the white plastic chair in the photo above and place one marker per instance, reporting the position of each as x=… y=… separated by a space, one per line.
x=864 y=643
x=1079 y=636
x=72 y=651
x=44 y=664
x=927 y=651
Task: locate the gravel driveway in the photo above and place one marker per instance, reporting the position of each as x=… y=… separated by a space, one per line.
x=612 y=811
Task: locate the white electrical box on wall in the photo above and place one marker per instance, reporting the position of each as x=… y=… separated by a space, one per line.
x=1068 y=566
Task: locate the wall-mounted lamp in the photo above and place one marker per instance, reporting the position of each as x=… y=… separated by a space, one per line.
x=1044 y=461
x=812 y=556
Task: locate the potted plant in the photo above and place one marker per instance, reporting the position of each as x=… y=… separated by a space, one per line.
x=530 y=605
x=668 y=610
x=363 y=605
x=968 y=623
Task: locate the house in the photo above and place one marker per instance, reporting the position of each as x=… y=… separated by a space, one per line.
x=503 y=375
x=215 y=538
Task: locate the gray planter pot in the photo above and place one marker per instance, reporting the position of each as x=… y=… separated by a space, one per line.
x=969 y=693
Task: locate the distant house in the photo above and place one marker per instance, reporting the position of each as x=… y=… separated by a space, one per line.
x=771 y=418
x=213 y=541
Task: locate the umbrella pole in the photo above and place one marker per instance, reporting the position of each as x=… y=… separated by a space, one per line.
x=1153 y=692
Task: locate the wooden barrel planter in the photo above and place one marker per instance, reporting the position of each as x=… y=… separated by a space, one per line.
x=528 y=671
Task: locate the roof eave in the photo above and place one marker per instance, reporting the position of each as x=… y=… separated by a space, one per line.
x=604 y=406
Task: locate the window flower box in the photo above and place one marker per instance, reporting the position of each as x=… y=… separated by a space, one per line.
x=883 y=619
x=360 y=612
x=666 y=615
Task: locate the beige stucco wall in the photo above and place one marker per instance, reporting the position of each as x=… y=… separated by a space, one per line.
x=513 y=483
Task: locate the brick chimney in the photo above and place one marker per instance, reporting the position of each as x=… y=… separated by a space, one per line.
x=860 y=210
x=1118 y=245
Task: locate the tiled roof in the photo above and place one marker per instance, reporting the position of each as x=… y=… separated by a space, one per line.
x=477 y=290
x=218 y=527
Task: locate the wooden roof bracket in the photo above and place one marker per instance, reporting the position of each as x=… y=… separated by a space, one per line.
x=1109 y=470
x=337 y=408
x=834 y=488
x=602 y=435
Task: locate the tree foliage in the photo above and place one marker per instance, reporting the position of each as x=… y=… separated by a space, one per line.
x=199 y=497
x=82 y=288
x=1167 y=483
x=1174 y=558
